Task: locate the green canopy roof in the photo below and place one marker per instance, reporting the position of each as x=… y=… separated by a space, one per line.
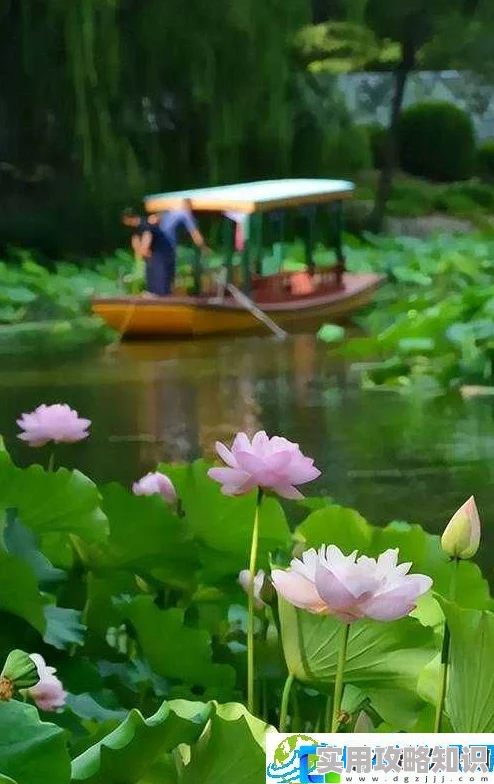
x=254 y=196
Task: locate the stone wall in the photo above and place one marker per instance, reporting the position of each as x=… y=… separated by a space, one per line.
x=368 y=95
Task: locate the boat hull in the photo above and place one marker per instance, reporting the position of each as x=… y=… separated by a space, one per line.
x=193 y=316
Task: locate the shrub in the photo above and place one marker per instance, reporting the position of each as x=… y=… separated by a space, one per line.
x=479 y=193
x=378 y=135
x=436 y=140
x=411 y=198
x=485 y=160
x=472 y=198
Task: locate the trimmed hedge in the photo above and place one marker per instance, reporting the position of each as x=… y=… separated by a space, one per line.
x=485 y=160
x=436 y=141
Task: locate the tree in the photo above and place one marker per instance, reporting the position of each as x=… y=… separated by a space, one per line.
x=412 y=25
x=116 y=98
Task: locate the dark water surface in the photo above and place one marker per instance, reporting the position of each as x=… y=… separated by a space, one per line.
x=391 y=457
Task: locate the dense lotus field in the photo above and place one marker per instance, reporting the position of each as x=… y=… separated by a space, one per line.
x=137 y=647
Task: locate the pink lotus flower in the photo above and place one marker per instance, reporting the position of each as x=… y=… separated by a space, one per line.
x=244 y=580
x=156 y=484
x=48 y=694
x=298 y=583
x=350 y=588
x=58 y=423
x=270 y=463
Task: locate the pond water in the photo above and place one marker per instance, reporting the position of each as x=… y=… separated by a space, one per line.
x=390 y=457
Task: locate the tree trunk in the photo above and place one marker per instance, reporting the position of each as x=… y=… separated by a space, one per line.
x=385 y=181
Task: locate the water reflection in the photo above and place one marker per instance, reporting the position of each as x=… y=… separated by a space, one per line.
x=392 y=458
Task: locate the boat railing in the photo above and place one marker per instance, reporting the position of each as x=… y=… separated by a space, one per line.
x=285 y=285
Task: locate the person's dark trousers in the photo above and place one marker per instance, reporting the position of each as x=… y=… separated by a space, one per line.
x=160 y=274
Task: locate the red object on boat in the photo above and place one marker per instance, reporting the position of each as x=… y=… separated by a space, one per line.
x=301 y=283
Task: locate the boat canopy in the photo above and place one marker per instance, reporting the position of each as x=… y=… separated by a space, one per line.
x=254 y=197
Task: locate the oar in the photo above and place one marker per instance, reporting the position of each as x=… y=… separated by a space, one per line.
x=259 y=314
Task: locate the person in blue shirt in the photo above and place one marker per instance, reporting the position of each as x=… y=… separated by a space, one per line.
x=171 y=221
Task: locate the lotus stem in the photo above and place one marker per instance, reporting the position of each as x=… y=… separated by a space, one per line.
x=251 y=617
x=284 y=702
x=338 y=683
x=443 y=684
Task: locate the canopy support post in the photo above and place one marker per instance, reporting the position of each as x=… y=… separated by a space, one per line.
x=309 y=239
x=246 y=273
x=338 y=243
x=279 y=219
x=256 y=233
x=228 y=243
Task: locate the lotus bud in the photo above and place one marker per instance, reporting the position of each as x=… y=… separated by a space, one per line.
x=48 y=693
x=461 y=537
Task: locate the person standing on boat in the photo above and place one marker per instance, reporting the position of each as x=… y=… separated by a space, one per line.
x=139 y=225
x=151 y=245
x=171 y=221
x=160 y=242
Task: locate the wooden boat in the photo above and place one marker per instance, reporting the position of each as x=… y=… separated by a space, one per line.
x=314 y=295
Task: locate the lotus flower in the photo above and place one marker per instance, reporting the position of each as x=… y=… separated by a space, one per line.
x=156 y=484
x=48 y=694
x=244 y=580
x=298 y=583
x=350 y=588
x=270 y=463
x=461 y=537
x=58 y=423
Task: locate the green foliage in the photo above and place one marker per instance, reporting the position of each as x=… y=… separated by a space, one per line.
x=431 y=327
x=413 y=197
x=231 y=727
x=43 y=313
x=384 y=659
x=471 y=694
x=137 y=604
x=176 y=651
x=436 y=140
x=31 y=751
x=30 y=292
x=331 y=333
x=127 y=752
x=53 y=502
x=336 y=47
x=485 y=161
